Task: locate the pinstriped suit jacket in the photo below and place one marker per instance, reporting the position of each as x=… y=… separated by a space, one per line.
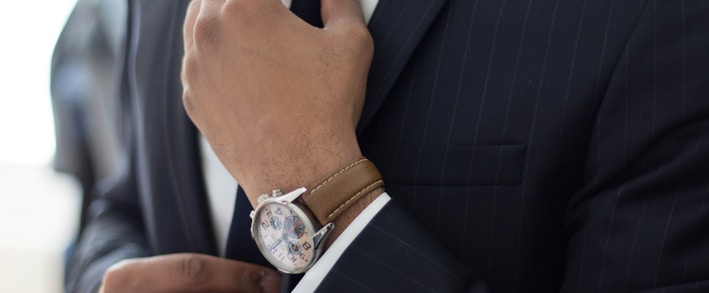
x=528 y=145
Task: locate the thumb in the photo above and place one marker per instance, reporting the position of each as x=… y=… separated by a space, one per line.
x=187 y=272
x=336 y=12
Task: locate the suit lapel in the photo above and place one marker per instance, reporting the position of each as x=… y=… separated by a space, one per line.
x=183 y=150
x=180 y=215
x=396 y=27
x=189 y=191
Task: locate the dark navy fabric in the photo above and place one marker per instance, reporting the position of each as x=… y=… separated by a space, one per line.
x=308 y=10
x=528 y=146
x=239 y=244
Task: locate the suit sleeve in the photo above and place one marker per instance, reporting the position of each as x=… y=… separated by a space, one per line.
x=393 y=254
x=114 y=233
x=115 y=229
x=640 y=221
x=640 y=224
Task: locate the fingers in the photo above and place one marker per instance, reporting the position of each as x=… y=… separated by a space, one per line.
x=213 y=274
x=189 y=273
x=336 y=12
x=188 y=41
x=188 y=28
x=206 y=27
x=200 y=34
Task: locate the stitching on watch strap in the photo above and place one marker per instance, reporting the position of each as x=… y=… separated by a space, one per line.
x=355 y=197
x=337 y=174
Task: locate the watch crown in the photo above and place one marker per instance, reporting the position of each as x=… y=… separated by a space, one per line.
x=263 y=197
x=251 y=214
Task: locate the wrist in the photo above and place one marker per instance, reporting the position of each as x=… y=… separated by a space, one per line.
x=303 y=164
x=293 y=229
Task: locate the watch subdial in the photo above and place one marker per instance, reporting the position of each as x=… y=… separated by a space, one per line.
x=294 y=247
x=276 y=223
x=294 y=227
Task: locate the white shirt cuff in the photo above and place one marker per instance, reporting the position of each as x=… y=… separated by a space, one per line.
x=312 y=279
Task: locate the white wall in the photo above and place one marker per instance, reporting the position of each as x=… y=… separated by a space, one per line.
x=38 y=208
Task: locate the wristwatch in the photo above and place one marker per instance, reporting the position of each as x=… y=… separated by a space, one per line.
x=290 y=229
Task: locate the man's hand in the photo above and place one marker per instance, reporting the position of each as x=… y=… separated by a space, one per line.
x=277 y=99
x=188 y=273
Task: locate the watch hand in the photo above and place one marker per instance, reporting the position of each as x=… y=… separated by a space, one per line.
x=275 y=244
x=287 y=230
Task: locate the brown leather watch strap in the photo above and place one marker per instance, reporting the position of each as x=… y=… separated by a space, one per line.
x=334 y=195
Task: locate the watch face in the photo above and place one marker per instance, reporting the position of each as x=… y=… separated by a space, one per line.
x=283 y=236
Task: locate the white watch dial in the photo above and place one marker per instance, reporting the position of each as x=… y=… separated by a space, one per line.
x=285 y=239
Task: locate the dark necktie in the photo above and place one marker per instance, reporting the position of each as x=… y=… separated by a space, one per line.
x=239 y=244
x=308 y=10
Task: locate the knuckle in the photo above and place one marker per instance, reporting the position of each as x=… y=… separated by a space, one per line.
x=194 y=4
x=235 y=7
x=243 y=9
x=193 y=7
x=188 y=103
x=206 y=33
x=194 y=268
x=189 y=81
x=188 y=68
x=360 y=38
x=243 y=17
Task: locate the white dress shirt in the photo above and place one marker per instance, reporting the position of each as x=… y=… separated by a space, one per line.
x=221 y=191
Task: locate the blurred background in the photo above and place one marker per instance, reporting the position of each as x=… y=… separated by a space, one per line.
x=39 y=208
